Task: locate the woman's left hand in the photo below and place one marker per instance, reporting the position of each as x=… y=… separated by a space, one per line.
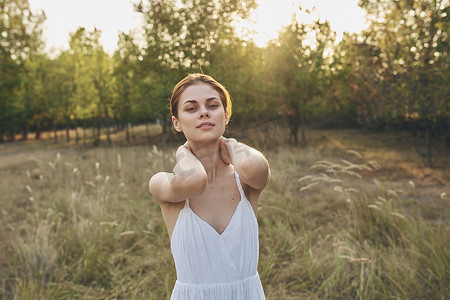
x=223 y=150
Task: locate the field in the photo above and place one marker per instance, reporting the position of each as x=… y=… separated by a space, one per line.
x=355 y=215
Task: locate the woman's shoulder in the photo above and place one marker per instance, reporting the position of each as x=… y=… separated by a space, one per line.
x=250 y=193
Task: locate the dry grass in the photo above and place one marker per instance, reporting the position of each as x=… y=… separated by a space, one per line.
x=334 y=224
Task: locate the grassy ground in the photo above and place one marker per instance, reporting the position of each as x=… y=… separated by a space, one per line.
x=353 y=216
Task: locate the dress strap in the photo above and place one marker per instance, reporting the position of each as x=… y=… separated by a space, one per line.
x=186 y=203
x=239 y=185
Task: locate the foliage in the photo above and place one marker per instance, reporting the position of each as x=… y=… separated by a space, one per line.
x=395 y=74
x=298 y=66
x=239 y=67
x=410 y=39
x=183 y=35
x=20 y=32
x=126 y=60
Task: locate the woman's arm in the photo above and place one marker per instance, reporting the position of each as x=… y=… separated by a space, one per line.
x=187 y=180
x=251 y=165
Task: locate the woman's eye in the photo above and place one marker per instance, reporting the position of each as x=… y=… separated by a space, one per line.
x=190 y=109
x=213 y=106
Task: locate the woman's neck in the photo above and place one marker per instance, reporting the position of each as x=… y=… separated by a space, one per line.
x=209 y=156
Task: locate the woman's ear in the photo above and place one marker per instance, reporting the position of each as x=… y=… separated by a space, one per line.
x=227 y=119
x=177 y=124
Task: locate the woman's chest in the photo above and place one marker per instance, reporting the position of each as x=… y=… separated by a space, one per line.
x=217 y=204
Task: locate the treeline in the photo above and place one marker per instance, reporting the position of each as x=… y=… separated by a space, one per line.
x=393 y=75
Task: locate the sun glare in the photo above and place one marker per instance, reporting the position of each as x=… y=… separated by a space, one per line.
x=65 y=16
x=271 y=15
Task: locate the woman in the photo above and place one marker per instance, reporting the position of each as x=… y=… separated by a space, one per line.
x=209 y=202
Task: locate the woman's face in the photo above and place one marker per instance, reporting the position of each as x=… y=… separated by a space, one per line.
x=201 y=114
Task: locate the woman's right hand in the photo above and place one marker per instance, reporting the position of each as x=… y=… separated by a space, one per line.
x=223 y=150
x=187 y=180
x=184 y=159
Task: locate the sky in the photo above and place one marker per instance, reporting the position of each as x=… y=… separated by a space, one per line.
x=113 y=16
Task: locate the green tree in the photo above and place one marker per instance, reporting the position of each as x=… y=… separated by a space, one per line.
x=181 y=35
x=21 y=39
x=355 y=92
x=239 y=66
x=298 y=64
x=181 y=38
x=90 y=81
x=79 y=58
x=128 y=78
x=410 y=39
x=103 y=82
x=54 y=89
x=37 y=115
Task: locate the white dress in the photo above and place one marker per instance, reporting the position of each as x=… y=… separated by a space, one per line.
x=213 y=266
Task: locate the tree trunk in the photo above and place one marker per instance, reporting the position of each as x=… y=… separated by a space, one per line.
x=11 y=135
x=84 y=133
x=147 y=132
x=294 y=134
x=127 y=131
x=55 y=133
x=67 y=134
x=293 y=127
x=302 y=128
x=98 y=128
x=108 y=138
x=38 y=132
x=447 y=137
x=67 y=129
x=25 y=133
x=428 y=142
x=77 y=136
x=133 y=135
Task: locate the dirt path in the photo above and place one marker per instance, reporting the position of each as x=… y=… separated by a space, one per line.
x=16 y=153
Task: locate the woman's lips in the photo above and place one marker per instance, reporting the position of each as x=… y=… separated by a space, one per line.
x=205 y=125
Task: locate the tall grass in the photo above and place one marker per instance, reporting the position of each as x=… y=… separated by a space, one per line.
x=90 y=230
x=83 y=226
x=330 y=229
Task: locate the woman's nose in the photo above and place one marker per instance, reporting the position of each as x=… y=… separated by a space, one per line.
x=204 y=112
